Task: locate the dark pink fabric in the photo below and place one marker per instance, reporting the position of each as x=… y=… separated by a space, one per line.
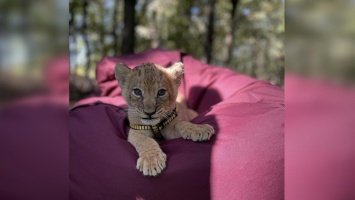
x=34 y=162
x=320 y=148
x=244 y=160
x=34 y=140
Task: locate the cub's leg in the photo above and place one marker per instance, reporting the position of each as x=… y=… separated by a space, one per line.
x=151 y=159
x=194 y=132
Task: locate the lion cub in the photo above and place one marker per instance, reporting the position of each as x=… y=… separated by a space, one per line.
x=151 y=92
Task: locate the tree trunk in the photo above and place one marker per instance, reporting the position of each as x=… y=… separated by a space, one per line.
x=101 y=25
x=128 y=35
x=114 y=29
x=230 y=37
x=86 y=38
x=210 y=30
x=72 y=31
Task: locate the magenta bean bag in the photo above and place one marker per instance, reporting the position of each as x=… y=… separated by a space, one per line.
x=243 y=160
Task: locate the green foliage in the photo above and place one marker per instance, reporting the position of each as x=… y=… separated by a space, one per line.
x=256 y=48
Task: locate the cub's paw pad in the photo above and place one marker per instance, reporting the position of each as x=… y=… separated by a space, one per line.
x=152 y=163
x=199 y=132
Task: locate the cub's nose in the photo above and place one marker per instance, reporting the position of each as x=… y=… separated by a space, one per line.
x=149 y=114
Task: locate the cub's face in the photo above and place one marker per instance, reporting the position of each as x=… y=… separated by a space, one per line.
x=149 y=90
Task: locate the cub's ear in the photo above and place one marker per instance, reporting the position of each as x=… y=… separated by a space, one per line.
x=121 y=73
x=176 y=70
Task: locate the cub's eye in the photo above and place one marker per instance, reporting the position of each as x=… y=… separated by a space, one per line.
x=161 y=92
x=137 y=92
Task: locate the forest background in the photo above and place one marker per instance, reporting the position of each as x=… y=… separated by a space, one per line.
x=246 y=36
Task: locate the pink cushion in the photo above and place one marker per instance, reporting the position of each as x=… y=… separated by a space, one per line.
x=244 y=160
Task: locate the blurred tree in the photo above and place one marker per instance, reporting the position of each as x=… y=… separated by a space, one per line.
x=128 y=35
x=231 y=35
x=210 y=29
x=115 y=25
x=85 y=36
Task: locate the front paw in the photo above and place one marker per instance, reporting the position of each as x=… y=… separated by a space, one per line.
x=152 y=163
x=197 y=132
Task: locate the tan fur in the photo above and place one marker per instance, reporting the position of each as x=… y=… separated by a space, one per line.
x=149 y=78
x=185 y=113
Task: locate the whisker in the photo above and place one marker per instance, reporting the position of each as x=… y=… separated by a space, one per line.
x=138 y=111
x=160 y=111
x=133 y=111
